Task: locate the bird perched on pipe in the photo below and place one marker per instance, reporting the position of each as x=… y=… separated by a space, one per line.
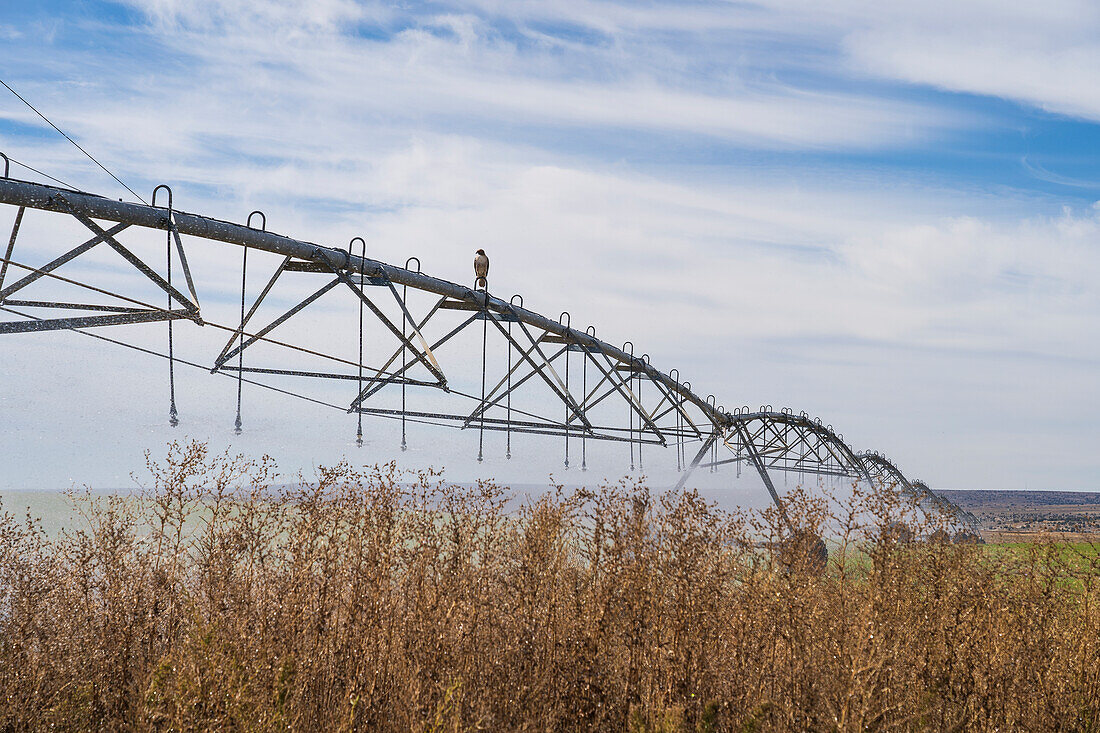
x=481 y=270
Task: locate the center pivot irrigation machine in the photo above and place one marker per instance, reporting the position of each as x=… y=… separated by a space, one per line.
x=545 y=378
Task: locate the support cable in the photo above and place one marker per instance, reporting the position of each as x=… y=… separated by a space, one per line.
x=680 y=447
x=404 y=362
x=508 y=418
x=568 y=322
x=567 y=408
x=630 y=407
x=240 y=354
x=69 y=186
x=679 y=405
x=641 y=468
x=484 y=339
x=362 y=280
x=711 y=468
x=74 y=142
x=584 y=406
x=404 y=296
x=683 y=427
x=631 y=418
x=404 y=366
x=173 y=416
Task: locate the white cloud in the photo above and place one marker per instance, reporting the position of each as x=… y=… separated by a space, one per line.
x=289 y=16
x=1045 y=55
x=1059 y=80
x=454 y=64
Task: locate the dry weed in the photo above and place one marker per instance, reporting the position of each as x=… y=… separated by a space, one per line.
x=365 y=599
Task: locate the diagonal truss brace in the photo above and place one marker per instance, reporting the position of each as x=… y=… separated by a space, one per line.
x=11 y=245
x=56 y=263
x=426 y=358
x=135 y=261
x=492 y=399
x=758 y=462
x=379 y=383
x=555 y=383
x=623 y=389
x=118 y=315
x=230 y=350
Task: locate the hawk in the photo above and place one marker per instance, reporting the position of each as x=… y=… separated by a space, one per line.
x=481 y=270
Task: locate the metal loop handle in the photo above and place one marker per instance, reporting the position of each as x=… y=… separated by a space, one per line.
x=568 y=319
x=409 y=262
x=362 y=254
x=512 y=300
x=7 y=165
x=263 y=220
x=166 y=188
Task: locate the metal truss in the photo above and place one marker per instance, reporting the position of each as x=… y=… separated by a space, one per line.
x=779 y=440
x=545 y=377
x=114 y=314
x=971 y=527
x=883 y=471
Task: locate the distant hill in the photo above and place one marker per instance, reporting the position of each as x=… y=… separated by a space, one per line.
x=1025 y=512
x=974 y=499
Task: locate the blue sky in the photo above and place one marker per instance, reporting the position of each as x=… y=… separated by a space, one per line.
x=883 y=213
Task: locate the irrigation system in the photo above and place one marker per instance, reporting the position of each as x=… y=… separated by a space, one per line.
x=545 y=377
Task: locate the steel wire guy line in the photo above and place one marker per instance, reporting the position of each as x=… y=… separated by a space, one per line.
x=661 y=409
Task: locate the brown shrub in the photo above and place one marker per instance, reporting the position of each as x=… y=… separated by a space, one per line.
x=371 y=600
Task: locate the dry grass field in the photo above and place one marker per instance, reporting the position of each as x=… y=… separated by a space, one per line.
x=367 y=600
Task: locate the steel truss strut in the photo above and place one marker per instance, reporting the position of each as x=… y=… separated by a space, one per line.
x=886 y=473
